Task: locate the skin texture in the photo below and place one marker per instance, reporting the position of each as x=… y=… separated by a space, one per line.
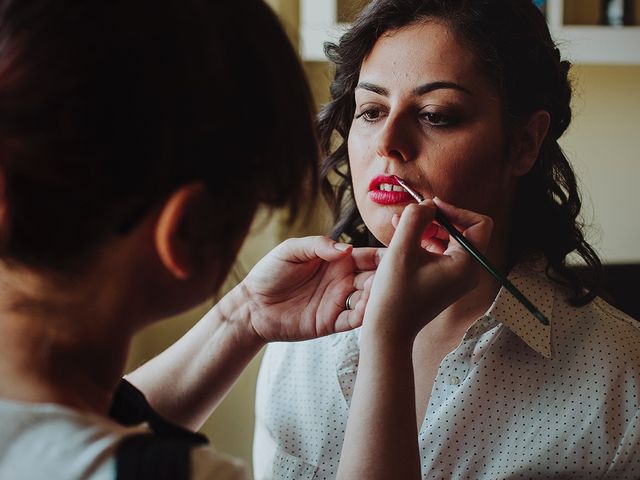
x=446 y=142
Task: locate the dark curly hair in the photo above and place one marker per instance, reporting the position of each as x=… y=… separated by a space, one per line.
x=511 y=41
x=107 y=107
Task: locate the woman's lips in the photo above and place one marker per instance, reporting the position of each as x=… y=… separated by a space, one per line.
x=385 y=190
x=389 y=198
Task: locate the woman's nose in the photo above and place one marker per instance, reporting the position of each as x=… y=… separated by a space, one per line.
x=396 y=139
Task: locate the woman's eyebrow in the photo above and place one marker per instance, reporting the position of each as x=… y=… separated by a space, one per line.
x=373 y=88
x=420 y=90
x=431 y=86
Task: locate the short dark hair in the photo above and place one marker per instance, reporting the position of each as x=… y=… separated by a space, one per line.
x=106 y=107
x=512 y=44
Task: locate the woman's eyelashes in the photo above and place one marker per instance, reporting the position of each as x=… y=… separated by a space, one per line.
x=440 y=119
x=369 y=114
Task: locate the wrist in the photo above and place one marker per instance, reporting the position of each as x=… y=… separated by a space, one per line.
x=237 y=314
x=391 y=340
x=391 y=328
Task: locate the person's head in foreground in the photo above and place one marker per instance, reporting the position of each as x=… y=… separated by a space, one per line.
x=465 y=100
x=137 y=124
x=137 y=140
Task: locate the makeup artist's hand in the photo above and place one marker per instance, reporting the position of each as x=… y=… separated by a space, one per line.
x=413 y=284
x=298 y=290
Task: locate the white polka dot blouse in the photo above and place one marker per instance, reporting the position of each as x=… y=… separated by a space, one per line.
x=516 y=399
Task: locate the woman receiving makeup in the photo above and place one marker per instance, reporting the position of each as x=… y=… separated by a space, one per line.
x=465 y=100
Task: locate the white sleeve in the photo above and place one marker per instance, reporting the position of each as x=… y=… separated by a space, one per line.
x=264 y=451
x=264 y=447
x=207 y=464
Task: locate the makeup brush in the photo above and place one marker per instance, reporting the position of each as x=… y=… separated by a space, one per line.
x=475 y=253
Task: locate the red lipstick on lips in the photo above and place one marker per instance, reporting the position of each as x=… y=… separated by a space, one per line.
x=385 y=190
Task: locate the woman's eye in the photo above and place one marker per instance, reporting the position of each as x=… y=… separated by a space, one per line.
x=438 y=119
x=370 y=114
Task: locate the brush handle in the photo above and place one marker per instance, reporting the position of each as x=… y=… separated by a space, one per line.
x=475 y=253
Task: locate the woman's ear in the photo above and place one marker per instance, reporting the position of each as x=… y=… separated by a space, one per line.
x=182 y=230
x=528 y=142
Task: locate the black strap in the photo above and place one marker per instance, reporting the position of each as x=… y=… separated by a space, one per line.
x=165 y=453
x=141 y=457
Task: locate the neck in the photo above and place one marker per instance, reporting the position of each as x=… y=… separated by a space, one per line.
x=461 y=315
x=48 y=368
x=58 y=340
x=450 y=326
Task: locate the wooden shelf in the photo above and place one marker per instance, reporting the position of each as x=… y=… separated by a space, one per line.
x=588 y=44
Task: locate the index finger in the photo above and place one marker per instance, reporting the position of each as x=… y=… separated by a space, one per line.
x=414 y=220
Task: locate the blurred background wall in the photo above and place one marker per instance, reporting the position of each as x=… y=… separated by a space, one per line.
x=603 y=143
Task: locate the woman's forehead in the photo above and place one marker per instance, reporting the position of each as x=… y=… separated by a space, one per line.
x=418 y=53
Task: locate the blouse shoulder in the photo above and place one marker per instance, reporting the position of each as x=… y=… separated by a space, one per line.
x=602 y=333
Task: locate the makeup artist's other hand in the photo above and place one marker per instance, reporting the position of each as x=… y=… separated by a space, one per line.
x=298 y=290
x=412 y=284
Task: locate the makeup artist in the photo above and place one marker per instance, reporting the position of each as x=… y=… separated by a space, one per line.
x=465 y=100
x=123 y=200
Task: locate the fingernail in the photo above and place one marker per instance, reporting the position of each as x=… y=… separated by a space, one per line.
x=341 y=246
